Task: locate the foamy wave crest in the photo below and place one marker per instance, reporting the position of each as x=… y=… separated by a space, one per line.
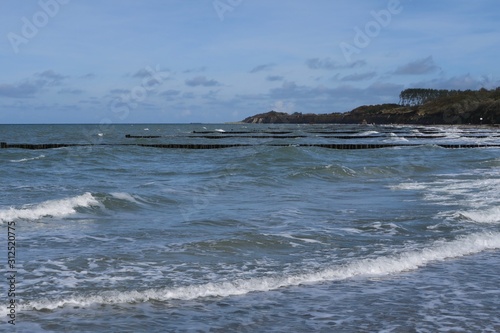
x=55 y=208
x=366 y=133
x=376 y=267
x=408 y=186
x=124 y=196
x=28 y=159
x=491 y=216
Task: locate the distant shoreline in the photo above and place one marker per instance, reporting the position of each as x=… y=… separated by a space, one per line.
x=423 y=107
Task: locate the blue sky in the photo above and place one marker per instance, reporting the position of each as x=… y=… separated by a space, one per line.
x=181 y=61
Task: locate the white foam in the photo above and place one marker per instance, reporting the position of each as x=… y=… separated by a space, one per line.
x=371 y=267
x=490 y=216
x=28 y=159
x=452 y=190
x=55 y=208
x=351 y=230
x=409 y=186
x=124 y=196
x=366 y=133
x=396 y=138
x=305 y=240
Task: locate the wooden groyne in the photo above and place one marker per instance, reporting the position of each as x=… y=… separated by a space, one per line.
x=129 y=136
x=193 y=146
x=5 y=145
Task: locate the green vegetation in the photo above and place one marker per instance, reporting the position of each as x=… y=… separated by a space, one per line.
x=419 y=96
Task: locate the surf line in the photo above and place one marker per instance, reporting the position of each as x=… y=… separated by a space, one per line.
x=383 y=266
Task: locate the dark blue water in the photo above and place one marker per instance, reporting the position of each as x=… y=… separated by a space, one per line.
x=275 y=236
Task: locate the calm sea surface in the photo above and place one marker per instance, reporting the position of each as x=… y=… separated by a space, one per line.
x=273 y=236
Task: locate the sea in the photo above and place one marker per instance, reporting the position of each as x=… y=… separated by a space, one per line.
x=250 y=228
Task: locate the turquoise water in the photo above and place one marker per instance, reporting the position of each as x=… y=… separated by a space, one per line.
x=276 y=236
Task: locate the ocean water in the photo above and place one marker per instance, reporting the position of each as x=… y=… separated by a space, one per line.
x=276 y=235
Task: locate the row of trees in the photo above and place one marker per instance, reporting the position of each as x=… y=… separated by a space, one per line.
x=419 y=96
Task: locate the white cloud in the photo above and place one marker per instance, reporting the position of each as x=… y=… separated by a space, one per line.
x=460 y=82
x=33 y=85
x=202 y=81
x=196 y=70
x=273 y=78
x=418 y=67
x=50 y=77
x=260 y=68
x=283 y=106
x=359 y=77
x=329 y=64
x=70 y=91
x=19 y=90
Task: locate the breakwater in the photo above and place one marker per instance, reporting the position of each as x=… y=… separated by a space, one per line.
x=5 y=145
x=196 y=137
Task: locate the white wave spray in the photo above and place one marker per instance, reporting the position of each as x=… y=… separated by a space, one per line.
x=28 y=159
x=55 y=208
x=375 y=267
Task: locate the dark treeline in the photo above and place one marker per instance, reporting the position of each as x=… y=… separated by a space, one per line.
x=420 y=96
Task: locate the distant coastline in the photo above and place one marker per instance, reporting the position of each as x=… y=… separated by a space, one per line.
x=417 y=106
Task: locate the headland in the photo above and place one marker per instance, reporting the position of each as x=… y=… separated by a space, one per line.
x=416 y=106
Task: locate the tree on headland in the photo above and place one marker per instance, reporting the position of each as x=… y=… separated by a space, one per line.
x=419 y=96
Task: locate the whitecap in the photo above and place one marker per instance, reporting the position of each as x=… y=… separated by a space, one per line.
x=28 y=159
x=54 y=208
x=124 y=196
x=488 y=216
x=408 y=186
x=305 y=240
x=366 y=133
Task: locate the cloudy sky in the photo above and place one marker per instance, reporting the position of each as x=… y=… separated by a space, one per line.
x=180 y=61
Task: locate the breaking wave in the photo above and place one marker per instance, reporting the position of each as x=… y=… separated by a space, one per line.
x=54 y=208
x=382 y=266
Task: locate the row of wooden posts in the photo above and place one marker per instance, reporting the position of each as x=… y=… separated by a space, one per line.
x=5 y=145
